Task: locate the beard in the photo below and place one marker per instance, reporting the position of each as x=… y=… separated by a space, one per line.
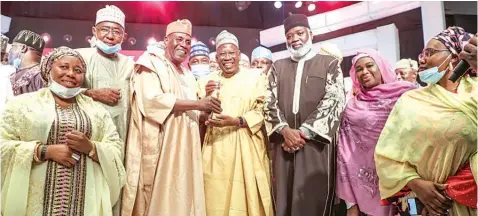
x=298 y=53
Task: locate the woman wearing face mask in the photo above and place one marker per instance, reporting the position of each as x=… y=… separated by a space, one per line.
x=424 y=153
x=364 y=117
x=61 y=154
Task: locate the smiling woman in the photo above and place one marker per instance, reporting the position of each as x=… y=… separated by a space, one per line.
x=66 y=144
x=378 y=89
x=367 y=72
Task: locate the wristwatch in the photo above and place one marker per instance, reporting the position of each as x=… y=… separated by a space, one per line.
x=241 y=121
x=43 y=152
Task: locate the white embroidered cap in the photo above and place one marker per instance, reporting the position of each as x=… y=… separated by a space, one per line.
x=110 y=13
x=226 y=37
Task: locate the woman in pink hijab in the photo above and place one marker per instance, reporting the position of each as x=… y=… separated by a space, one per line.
x=364 y=118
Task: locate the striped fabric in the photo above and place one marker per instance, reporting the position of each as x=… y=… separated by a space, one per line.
x=65 y=187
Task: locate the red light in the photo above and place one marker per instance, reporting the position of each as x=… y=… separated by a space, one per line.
x=46 y=37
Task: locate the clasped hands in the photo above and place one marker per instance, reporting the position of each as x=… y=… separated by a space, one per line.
x=64 y=154
x=430 y=194
x=293 y=139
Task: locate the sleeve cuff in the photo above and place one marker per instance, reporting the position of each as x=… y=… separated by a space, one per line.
x=309 y=132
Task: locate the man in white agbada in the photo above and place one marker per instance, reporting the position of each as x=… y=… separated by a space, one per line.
x=109 y=72
x=108 y=75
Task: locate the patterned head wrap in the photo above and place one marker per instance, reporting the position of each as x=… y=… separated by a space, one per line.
x=454 y=38
x=48 y=60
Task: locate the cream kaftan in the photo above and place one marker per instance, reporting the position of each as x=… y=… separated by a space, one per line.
x=235 y=160
x=163 y=151
x=27 y=119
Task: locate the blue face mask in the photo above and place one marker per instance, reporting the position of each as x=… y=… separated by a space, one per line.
x=16 y=63
x=106 y=48
x=15 y=59
x=200 y=70
x=432 y=75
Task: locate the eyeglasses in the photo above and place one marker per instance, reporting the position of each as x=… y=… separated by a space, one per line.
x=114 y=32
x=225 y=54
x=428 y=52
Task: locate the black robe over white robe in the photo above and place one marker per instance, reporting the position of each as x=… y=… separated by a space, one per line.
x=305 y=180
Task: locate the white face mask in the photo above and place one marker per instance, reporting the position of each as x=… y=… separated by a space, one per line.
x=298 y=53
x=62 y=91
x=200 y=70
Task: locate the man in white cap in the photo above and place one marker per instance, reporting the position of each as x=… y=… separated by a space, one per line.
x=305 y=100
x=262 y=59
x=107 y=78
x=213 y=62
x=407 y=70
x=235 y=161
x=163 y=156
x=244 y=61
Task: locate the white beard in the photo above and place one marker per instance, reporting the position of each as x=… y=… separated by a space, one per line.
x=299 y=53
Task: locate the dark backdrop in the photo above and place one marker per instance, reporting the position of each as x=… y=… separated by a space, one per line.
x=79 y=30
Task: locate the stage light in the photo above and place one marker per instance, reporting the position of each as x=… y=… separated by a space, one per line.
x=278 y=4
x=68 y=38
x=151 y=41
x=298 y=4
x=46 y=37
x=132 y=41
x=311 y=7
x=242 y=5
x=212 y=41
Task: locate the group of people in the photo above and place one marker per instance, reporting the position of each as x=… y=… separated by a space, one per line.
x=91 y=132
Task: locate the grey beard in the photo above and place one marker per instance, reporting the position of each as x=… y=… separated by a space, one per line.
x=299 y=53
